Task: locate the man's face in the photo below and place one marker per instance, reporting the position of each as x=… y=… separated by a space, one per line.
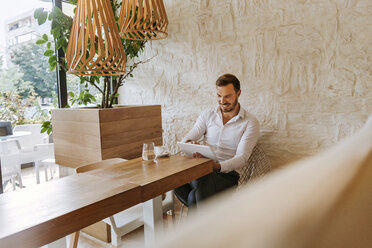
x=227 y=97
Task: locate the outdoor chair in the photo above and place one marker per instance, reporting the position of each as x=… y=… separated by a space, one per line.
x=28 y=142
x=10 y=164
x=36 y=149
x=257 y=166
x=46 y=160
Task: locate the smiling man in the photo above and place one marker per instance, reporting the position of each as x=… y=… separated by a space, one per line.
x=232 y=133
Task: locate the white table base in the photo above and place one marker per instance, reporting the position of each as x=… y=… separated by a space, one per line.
x=153 y=220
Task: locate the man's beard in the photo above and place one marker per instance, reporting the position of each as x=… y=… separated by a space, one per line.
x=232 y=106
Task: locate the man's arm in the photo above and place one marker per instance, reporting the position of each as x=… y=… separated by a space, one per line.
x=197 y=131
x=244 y=149
x=216 y=166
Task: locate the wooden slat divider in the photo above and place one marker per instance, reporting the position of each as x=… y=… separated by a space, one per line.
x=129 y=150
x=90 y=135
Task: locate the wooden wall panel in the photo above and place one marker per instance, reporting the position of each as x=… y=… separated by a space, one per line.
x=129 y=151
x=76 y=127
x=85 y=140
x=76 y=152
x=130 y=125
x=74 y=114
x=131 y=112
x=129 y=137
x=73 y=162
x=83 y=136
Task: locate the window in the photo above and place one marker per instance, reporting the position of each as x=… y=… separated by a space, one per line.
x=25 y=74
x=13 y=26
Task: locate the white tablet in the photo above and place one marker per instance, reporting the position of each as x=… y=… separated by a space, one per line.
x=189 y=149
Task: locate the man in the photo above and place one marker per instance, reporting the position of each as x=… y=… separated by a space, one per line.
x=232 y=133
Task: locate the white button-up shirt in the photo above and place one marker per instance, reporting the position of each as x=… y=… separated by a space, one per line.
x=233 y=142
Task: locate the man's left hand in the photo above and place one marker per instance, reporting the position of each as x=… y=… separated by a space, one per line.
x=216 y=166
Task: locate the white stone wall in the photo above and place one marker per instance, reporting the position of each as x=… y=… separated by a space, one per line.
x=305 y=68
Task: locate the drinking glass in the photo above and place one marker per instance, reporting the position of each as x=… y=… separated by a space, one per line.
x=148 y=152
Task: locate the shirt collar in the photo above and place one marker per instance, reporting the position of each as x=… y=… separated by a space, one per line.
x=241 y=113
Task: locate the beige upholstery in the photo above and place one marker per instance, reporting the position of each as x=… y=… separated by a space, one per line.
x=322 y=201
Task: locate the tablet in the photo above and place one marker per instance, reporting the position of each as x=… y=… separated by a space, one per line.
x=189 y=149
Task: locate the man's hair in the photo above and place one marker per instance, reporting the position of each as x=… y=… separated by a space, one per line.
x=226 y=79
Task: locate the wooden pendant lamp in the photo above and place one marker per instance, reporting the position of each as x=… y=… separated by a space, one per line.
x=94 y=46
x=143 y=20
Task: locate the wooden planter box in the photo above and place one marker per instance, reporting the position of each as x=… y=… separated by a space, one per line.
x=88 y=135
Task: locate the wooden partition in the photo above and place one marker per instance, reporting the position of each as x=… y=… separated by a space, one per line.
x=88 y=135
x=323 y=201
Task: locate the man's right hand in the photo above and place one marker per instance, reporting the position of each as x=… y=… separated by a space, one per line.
x=216 y=166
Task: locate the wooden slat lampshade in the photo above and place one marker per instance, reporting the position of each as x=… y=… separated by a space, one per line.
x=94 y=46
x=143 y=20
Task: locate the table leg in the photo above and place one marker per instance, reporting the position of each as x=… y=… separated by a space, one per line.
x=153 y=220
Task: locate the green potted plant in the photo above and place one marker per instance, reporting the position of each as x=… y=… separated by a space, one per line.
x=87 y=135
x=60 y=30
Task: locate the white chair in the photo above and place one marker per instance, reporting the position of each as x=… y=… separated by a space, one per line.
x=36 y=149
x=10 y=164
x=132 y=218
x=46 y=160
x=28 y=142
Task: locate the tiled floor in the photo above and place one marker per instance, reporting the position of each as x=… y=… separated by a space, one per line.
x=134 y=239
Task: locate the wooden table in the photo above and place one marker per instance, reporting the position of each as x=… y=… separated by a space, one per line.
x=156 y=178
x=44 y=213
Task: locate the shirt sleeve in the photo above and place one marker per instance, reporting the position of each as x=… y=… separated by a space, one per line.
x=198 y=130
x=244 y=149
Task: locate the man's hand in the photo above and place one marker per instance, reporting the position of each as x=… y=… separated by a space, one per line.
x=197 y=155
x=216 y=166
x=193 y=142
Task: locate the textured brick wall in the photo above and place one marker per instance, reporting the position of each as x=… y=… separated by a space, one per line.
x=305 y=68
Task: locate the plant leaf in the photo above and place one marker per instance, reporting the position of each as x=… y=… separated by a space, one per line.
x=52 y=58
x=39 y=42
x=53 y=67
x=49 y=53
x=61 y=42
x=38 y=12
x=42 y=18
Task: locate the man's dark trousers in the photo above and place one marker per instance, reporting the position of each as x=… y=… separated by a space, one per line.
x=191 y=194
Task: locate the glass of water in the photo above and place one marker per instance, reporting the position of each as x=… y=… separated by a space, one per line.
x=148 y=152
